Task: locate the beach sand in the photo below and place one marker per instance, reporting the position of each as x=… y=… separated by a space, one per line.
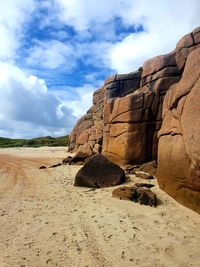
x=46 y=221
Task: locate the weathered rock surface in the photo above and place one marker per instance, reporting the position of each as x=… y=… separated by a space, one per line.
x=56 y=165
x=79 y=158
x=186 y=45
x=147 y=197
x=131 y=122
x=179 y=138
x=149 y=168
x=98 y=172
x=144 y=185
x=42 y=167
x=88 y=132
x=122 y=85
x=143 y=175
x=141 y=195
x=128 y=113
x=125 y=193
x=66 y=160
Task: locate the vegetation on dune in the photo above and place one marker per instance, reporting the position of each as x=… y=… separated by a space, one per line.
x=35 y=142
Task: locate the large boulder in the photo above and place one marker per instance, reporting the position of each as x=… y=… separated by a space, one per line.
x=98 y=172
x=179 y=138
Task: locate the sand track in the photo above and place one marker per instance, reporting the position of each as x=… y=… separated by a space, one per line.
x=45 y=221
x=14 y=172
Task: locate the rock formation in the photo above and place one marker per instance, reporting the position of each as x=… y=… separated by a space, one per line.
x=131 y=122
x=179 y=144
x=137 y=194
x=98 y=172
x=79 y=158
x=128 y=113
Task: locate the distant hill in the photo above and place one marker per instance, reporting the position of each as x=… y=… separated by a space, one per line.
x=35 y=142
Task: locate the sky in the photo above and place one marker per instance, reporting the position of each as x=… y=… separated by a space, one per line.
x=55 y=53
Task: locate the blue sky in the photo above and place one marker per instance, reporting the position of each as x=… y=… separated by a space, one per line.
x=55 y=53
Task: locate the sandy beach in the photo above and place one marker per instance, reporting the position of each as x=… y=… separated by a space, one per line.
x=46 y=221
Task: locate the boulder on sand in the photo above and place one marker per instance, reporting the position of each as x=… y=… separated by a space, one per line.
x=66 y=160
x=144 y=175
x=79 y=158
x=42 y=167
x=134 y=193
x=126 y=193
x=99 y=172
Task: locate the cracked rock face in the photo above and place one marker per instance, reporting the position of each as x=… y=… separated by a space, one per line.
x=131 y=122
x=179 y=137
x=128 y=112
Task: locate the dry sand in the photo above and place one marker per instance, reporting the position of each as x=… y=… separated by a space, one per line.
x=45 y=221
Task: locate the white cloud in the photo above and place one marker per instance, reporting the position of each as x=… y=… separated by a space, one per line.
x=27 y=104
x=25 y=101
x=60 y=35
x=77 y=99
x=94 y=53
x=83 y=100
x=164 y=22
x=13 y=16
x=128 y=55
x=55 y=54
x=82 y=15
x=51 y=55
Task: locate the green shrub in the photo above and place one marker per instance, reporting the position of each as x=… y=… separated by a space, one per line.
x=35 y=142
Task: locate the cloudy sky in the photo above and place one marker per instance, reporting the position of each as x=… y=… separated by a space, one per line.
x=55 y=53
